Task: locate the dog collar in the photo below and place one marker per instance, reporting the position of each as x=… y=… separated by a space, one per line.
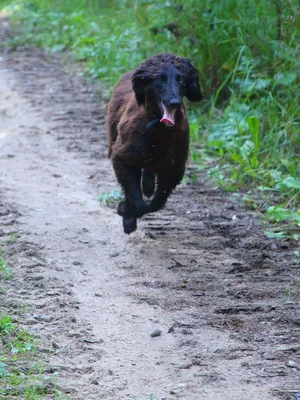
x=153 y=122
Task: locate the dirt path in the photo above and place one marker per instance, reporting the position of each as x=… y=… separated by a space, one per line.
x=224 y=297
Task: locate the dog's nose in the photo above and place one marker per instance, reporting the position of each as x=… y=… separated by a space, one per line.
x=175 y=102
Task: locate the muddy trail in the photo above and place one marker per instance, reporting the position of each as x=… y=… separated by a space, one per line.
x=200 y=271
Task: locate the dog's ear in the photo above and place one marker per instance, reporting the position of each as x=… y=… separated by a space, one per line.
x=140 y=80
x=191 y=80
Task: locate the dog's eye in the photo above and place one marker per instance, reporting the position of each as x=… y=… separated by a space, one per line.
x=162 y=79
x=179 y=78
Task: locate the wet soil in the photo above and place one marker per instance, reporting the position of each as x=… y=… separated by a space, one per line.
x=197 y=304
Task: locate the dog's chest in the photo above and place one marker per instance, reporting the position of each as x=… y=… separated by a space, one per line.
x=161 y=152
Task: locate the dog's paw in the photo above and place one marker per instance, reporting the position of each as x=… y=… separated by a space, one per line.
x=134 y=211
x=129 y=224
x=121 y=208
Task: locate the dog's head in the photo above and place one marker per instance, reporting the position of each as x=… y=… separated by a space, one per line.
x=163 y=80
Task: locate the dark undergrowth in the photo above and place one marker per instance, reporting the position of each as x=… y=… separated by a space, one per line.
x=246 y=131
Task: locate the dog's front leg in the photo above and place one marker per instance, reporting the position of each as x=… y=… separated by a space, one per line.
x=133 y=206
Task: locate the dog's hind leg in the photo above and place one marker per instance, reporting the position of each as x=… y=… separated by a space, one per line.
x=148 y=182
x=165 y=186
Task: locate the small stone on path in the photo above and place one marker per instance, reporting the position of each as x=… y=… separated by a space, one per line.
x=156 y=332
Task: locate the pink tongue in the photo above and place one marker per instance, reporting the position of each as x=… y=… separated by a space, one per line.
x=169 y=116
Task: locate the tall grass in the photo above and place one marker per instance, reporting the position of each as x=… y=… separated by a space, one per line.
x=248 y=56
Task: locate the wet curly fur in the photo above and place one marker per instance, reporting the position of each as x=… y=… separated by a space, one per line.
x=148 y=156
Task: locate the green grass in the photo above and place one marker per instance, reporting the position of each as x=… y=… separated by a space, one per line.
x=246 y=131
x=22 y=372
x=5 y=271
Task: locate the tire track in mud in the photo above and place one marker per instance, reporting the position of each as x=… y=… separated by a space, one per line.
x=200 y=270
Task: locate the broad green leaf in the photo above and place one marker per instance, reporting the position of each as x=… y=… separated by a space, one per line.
x=285 y=78
x=275 y=235
x=291 y=182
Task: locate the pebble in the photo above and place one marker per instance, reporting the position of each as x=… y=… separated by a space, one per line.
x=269 y=356
x=156 y=332
x=37 y=277
x=45 y=350
x=93 y=340
x=245 y=365
x=30 y=322
x=114 y=254
x=43 y=318
x=177 y=389
x=186 y=366
x=74 y=334
x=41 y=305
x=291 y=364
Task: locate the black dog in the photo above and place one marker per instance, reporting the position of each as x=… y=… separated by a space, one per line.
x=148 y=132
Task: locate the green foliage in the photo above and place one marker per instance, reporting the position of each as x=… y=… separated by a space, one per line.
x=279 y=214
x=247 y=54
x=21 y=371
x=5 y=271
x=6 y=325
x=284 y=221
x=111 y=197
x=21 y=374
